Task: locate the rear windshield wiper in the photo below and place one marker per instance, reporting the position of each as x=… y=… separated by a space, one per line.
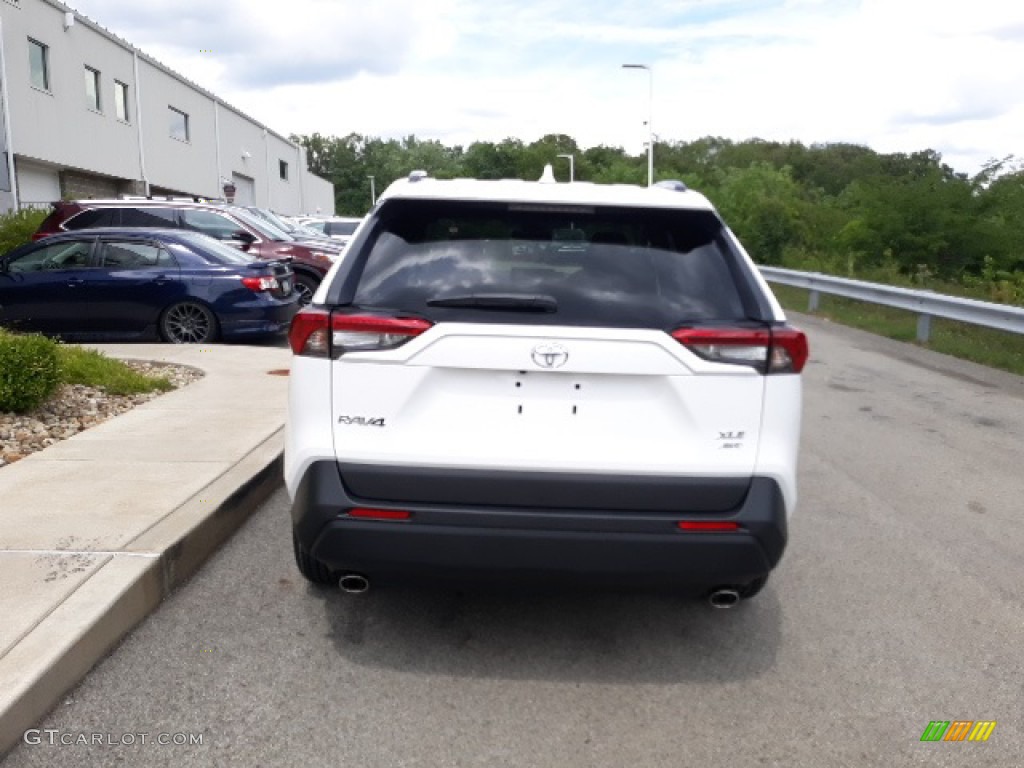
x=511 y=302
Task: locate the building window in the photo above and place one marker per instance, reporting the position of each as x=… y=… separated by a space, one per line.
x=39 y=64
x=92 y=89
x=282 y=167
x=179 y=124
x=121 y=100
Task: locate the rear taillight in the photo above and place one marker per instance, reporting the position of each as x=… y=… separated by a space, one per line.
x=774 y=350
x=309 y=333
x=40 y=235
x=708 y=526
x=361 y=333
x=789 y=351
x=316 y=333
x=259 y=284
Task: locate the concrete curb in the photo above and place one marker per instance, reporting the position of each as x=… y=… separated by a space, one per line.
x=59 y=651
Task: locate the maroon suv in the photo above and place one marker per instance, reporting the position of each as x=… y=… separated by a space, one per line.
x=233 y=225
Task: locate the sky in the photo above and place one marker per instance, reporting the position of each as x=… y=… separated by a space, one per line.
x=894 y=75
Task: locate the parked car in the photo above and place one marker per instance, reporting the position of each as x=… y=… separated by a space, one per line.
x=174 y=285
x=293 y=228
x=522 y=380
x=337 y=227
x=230 y=224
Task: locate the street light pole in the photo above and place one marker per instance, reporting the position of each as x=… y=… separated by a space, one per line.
x=572 y=170
x=373 y=192
x=650 y=118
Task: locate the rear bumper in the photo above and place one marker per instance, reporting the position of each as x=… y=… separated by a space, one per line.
x=634 y=547
x=267 y=319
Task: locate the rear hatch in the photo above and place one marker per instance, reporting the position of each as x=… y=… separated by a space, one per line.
x=486 y=339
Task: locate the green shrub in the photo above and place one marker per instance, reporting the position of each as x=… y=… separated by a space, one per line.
x=17 y=228
x=29 y=372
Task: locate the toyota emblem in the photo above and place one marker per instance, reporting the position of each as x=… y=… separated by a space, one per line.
x=550 y=355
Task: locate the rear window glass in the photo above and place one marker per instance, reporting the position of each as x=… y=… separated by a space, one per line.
x=214 y=251
x=620 y=267
x=96 y=217
x=148 y=217
x=341 y=227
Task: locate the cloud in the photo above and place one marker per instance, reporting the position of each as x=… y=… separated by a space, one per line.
x=260 y=44
x=897 y=75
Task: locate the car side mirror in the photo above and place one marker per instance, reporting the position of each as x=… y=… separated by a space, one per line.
x=245 y=238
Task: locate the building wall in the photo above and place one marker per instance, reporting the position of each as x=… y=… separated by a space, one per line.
x=189 y=166
x=96 y=153
x=319 y=194
x=57 y=126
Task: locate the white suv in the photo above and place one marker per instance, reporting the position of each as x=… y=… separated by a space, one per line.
x=570 y=382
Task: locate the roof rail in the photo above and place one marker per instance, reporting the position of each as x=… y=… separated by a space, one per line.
x=174 y=198
x=674 y=184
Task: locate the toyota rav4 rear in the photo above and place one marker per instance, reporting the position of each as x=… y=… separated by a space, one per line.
x=522 y=380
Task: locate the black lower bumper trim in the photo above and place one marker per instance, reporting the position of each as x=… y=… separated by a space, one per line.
x=625 y=547
x=562 y=490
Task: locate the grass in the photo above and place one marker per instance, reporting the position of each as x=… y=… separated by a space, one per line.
x=93 y=369
x=996 y=349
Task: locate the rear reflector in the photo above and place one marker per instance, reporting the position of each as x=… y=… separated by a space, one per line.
x=708 y=526
x=770 y=350
x=379 y=514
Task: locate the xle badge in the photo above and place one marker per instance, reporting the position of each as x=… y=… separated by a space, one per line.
x=731 y=439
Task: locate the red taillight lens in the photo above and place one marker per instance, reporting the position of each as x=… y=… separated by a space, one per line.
x=379 y=514
x=315 y=332
x=775 y=350
x=260 y=284
x=708 y=526
x=40 y=235
x=789 y=351
x=309 y=333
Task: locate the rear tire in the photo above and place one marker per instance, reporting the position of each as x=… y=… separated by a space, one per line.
x=305 y=286
x=314 y=571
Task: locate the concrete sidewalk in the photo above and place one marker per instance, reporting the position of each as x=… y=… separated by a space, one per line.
x=96 y=530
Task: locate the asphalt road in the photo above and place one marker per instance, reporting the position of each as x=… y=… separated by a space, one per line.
x=899 y=602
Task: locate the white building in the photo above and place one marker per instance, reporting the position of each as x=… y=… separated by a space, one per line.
x=86 y=114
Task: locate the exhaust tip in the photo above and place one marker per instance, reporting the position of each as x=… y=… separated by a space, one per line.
x=723 y=597
x=353 y=583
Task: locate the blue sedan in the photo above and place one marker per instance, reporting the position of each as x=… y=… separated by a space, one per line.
x=181 y=287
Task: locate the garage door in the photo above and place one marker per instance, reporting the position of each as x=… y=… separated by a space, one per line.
x=37 y=185
x=245 y=189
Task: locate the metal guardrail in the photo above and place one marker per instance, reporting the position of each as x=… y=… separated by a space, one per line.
x=927 y=304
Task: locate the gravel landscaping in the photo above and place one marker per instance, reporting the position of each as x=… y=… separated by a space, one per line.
x=75 y=408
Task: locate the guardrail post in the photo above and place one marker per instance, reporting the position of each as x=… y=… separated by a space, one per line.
x=924 y=328
x=812 y=301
